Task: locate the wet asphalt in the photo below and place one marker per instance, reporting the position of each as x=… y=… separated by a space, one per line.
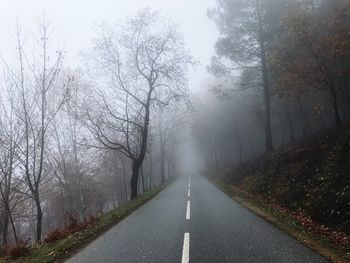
x=220 y=231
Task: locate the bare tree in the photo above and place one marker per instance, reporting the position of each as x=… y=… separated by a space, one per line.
x=9 y=184
x=169 y=122
x=146 y=63
x=34 y=81
x=246 y=28
x=66 y=152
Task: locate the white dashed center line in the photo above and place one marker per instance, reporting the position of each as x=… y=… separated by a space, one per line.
x=186 y=245
x=186 y=249
x=188 y=210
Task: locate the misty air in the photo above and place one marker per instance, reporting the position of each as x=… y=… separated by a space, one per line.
x=209 y=131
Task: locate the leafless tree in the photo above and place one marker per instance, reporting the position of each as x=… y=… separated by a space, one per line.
x=35 y=83
x=145 y=62
x=10 y=138
x=169 y=122
x=66 y=154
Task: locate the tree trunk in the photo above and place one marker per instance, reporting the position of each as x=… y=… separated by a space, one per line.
x=150 y=170
x=283 y=133
x=39 y=217
x=162 y=162
x=290 y=122
x=305 y=119
x=138 y=162
x=268 y=134
x=161 y=151
x=82 y=201
x=5 y=227
x=168 y=166
x=134 y=178
x=240 y=154
x=13 y=227
x=124 y=181
x=143 y=180
x=7 y=218
x=267 y=106
x=347 y=99
x=338 y=121
x=240 y=149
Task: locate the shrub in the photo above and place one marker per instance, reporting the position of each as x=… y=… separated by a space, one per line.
x=91 y=220
x=55 y=235
x=3 y=250
x=14 y=252
x=73 y=225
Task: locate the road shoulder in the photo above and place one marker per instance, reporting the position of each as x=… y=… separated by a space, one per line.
x=67 y=247
x=286 y=223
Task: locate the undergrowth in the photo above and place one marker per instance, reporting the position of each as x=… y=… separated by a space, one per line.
x=60 y=244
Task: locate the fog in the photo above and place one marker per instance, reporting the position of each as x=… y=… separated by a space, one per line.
x=74 y=24
x=102 y=101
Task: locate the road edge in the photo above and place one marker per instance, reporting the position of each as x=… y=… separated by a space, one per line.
x=64 y=249
x=280 y=221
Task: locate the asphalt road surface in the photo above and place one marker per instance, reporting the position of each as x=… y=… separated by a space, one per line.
x=193 y=221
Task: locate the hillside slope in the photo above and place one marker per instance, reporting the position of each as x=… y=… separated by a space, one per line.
x=312 y=178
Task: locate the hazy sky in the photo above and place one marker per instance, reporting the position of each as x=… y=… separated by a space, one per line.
x=74 y=23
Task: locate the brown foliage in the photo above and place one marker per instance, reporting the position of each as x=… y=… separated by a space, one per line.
x=73 y=224
x=56 y=235
x=336 y=237
x=14 y=252
x=308 y=181
x=72 y=227
x=91 y=220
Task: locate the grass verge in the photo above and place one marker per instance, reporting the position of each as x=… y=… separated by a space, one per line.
x=65 y=248
x=286 y=223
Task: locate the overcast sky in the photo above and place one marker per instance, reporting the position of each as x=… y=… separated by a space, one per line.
x=74 y=23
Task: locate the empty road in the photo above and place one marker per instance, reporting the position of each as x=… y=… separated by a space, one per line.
x=193 y=221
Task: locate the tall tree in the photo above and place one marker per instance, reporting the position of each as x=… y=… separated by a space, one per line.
x=313 y=52
x=246 y=27
x=66 y=153
x=169 y=122
x=145 y=62
x=38 y=104
x=9 y=145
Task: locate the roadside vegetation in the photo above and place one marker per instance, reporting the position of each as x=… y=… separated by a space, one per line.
x=273 y=127
x=61 y=243
x=78 y=142
x=303 y=189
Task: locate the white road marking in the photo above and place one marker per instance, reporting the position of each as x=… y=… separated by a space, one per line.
x=189 y=182
x=188 y=210
x=186 y=249
x=189 y=192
